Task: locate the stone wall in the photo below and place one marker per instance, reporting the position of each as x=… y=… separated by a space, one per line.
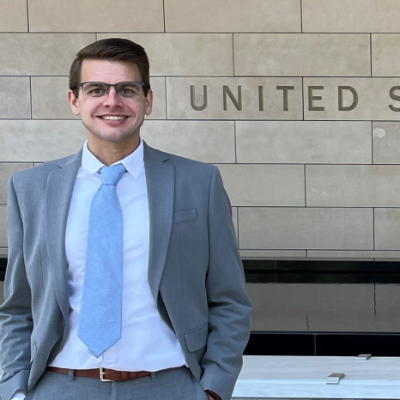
x=296 y=101
x=301 y=110
x=301 y=114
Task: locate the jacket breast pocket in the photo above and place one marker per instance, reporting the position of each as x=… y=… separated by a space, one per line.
x=190 y=214
x=197 y=338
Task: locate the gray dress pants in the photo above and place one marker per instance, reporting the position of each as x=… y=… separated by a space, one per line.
x=175 y=384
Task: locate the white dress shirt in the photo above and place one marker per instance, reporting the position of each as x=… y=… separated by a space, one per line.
x=147 y=343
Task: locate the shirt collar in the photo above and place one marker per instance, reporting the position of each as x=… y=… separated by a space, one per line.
x=133 y=162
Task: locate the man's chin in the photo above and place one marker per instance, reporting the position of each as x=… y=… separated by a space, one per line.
x=113 y=137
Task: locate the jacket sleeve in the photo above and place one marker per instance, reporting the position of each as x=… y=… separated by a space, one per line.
x=15 y=312
x=229 y=305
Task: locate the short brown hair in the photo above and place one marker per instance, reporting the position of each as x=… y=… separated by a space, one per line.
x=114 y=50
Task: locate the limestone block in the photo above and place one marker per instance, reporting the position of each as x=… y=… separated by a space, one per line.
x=49 y=98
x=350 y=16
x=39 y=140
x=386 y=54
x=15 y=101
x=303 y=142
x=351 y=99
x=305 y=228
x=13 y=16
x=232 y=16
x=386 y=142
x=40 y=54
x=353 y=185
x=302 y=54
x=263 y=184
x=185 y=54
x=207 y=141
x=96 y=16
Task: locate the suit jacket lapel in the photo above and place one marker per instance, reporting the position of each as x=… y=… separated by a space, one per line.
x=160 y=177
x=60 y=185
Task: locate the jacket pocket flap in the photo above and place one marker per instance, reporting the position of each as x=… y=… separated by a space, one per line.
x=197 y=338
x=189 y=214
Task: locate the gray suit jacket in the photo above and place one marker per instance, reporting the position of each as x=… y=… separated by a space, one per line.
x=195 y=272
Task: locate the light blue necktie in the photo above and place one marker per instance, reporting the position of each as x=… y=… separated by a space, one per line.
x=101 y=306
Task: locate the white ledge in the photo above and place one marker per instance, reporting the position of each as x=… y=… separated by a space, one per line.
x=274 y=377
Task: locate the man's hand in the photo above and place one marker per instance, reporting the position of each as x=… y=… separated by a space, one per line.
x=212 y=395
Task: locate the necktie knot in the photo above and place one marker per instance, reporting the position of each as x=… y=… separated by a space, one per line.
x=112 y=175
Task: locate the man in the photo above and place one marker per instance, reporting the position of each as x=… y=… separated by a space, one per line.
x=124 y=279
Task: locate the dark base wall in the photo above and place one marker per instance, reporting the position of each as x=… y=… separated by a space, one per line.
x=323 y=344
x=325 y=308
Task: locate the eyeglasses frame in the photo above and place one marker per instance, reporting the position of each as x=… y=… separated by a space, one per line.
x=108 y=85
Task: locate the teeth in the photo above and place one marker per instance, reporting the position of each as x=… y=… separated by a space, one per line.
x=113 y=117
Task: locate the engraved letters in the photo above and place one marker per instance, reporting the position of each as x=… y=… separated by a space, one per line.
x=353 y=105
x=285 y=96
x=266 y=100
x=193 y=96
x=312 y=97
x=237 y=102
x=394 y=96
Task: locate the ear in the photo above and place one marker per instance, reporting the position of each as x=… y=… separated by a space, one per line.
x=74 y=103
x=149 y=102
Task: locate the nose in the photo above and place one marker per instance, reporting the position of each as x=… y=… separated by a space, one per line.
x=112 y=99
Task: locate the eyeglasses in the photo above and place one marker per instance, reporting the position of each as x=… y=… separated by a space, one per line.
x=129 y=89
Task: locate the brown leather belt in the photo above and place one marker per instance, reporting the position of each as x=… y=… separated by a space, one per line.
x=104 y=374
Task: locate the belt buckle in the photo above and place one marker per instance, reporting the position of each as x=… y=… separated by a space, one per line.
x=102 y=374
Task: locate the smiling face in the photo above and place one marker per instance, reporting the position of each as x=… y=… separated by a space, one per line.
x=111 y=118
